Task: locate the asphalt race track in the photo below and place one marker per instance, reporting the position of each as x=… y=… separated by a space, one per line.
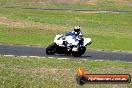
x=19 y=50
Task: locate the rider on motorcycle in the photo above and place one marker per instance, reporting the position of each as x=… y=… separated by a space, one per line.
x=76 y=33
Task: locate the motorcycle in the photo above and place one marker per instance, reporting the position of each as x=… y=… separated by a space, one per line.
x=68 y=45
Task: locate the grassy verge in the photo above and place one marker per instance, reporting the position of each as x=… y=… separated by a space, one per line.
x=53 y=73
x=74 y=4
x=32 y=36
x=110 y=31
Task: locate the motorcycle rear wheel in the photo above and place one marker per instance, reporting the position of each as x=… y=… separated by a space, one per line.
x=51 y=49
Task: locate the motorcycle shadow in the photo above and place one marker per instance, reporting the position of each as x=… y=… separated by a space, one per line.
x=70 y=56
x=86 y=56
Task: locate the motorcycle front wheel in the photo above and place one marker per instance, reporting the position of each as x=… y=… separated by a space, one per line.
x=79 y=52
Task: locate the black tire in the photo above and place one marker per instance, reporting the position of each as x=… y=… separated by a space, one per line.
x=81 y=80
x=76 y=54
x=80 y=52
x=51 y=49
x=83 y=49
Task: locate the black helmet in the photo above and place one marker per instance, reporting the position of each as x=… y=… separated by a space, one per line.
x=77 y=28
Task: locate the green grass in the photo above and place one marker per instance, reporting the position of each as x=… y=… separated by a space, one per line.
x=82 y=4
x=31 y=36
x=110 y=31
x=53 y=73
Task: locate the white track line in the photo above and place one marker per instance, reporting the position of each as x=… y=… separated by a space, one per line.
x=43 y=57
x=35 y=56
x=50 y=57
x=98 y=60
x=63 y=58
x=23 y=56
x=84 y=59
x=9 y=55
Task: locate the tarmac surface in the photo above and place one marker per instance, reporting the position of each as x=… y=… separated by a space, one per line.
x=21 y=50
